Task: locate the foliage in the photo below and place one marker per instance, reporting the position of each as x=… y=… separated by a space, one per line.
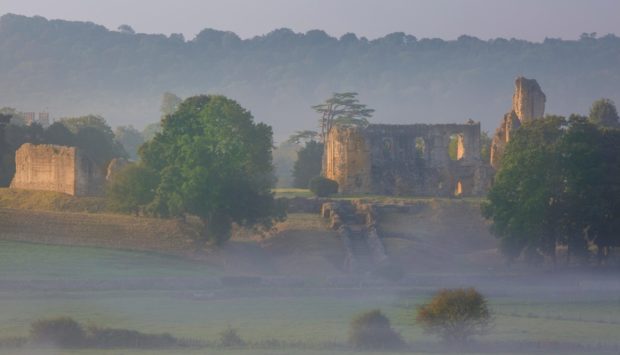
x=151 y=130
x=125 y=338
x=93 y=135
x=557 y=186
x=229 y=337
x=342 y=108
x=61 y=331
x=308 y=164
x=485 y=146
x=455 y=315
x=303 y=136
x=284 y=156
x=322 y=186
x=169 y=103
x=130 y=138
x=604 y=113
x=131 y=188
x=214 y=162
x=65 y=64
x=372 y=331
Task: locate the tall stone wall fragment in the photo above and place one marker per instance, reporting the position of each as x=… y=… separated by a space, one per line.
x=56 y=168
x=528 y=103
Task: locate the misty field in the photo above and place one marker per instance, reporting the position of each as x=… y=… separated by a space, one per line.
x=155 y=294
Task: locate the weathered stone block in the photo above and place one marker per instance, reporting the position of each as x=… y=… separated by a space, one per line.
x=56 y=168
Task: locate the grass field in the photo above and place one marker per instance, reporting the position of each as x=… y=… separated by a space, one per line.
x=311 y=316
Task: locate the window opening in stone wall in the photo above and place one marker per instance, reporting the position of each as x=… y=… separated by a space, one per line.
x=458 y=190
x=420 y=147
x=455 y=147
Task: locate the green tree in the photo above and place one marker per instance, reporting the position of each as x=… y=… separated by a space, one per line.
x=131 y=189
x=523 y=203
x=308 y=164
x=603 y=112
x=95 y=137
x=341 y=108
x=57 y=133
x=130 y=138
x=169 y=103
x=151 y=130
x=214 y=162
x=455 y=315
x=485 y=146
x=559 y=186
x=372 y=331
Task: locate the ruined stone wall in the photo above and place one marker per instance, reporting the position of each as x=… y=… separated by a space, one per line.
x=56 y=168
x=406 y=159
x=528 y=103
x=347 y=159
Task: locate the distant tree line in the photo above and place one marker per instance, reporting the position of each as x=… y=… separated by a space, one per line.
x=85 y=67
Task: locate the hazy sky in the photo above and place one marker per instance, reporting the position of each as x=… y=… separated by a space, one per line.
x=527 y=19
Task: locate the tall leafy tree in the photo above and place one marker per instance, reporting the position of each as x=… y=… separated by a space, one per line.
x=603 y=112
x=560 y=185
x=214 y=162
x=523 y=203
x=308 y=164
x=130 y=138
x=169 y=103
x=342 y=108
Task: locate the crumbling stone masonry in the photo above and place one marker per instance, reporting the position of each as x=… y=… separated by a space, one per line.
x=406 y=160
x=57 y=168
x=528 y=103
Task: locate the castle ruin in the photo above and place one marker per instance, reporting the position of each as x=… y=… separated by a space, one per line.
x=528 y=103
x=56 y=168
x=406 y=160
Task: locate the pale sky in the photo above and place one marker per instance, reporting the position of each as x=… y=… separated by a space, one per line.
x=526 y=19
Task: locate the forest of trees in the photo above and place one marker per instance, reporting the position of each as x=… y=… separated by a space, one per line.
x=72 y=68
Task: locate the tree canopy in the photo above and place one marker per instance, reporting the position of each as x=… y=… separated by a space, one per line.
x=214 y=162
x=342 y=108
x=83 y=67
x=558 y=185
x=603 y=112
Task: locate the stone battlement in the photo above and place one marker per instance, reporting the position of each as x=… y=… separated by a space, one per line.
x=56 y=168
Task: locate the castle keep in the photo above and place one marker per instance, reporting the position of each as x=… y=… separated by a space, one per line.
x=406 y=159
x=56 y=168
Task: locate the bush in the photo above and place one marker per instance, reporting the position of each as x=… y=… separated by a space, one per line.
x=62 y=332
x=455 y=315
x=372 y=331
x=125 y=338
x=230 y=338
x=322 y=187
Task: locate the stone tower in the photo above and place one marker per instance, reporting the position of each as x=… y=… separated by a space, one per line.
x=528 y=103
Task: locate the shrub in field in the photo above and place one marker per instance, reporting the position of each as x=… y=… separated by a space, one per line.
x=229 y=337
x=322 y=187
x=455 y=315
x=125 y=338
x=372 y=331
x=62 y=332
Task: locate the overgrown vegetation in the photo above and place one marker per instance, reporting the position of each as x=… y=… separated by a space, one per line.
x=323 y=187
x=559 y=184
x=65 y=332
x=455 y=315
x=210 y=160
x=372 y=331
